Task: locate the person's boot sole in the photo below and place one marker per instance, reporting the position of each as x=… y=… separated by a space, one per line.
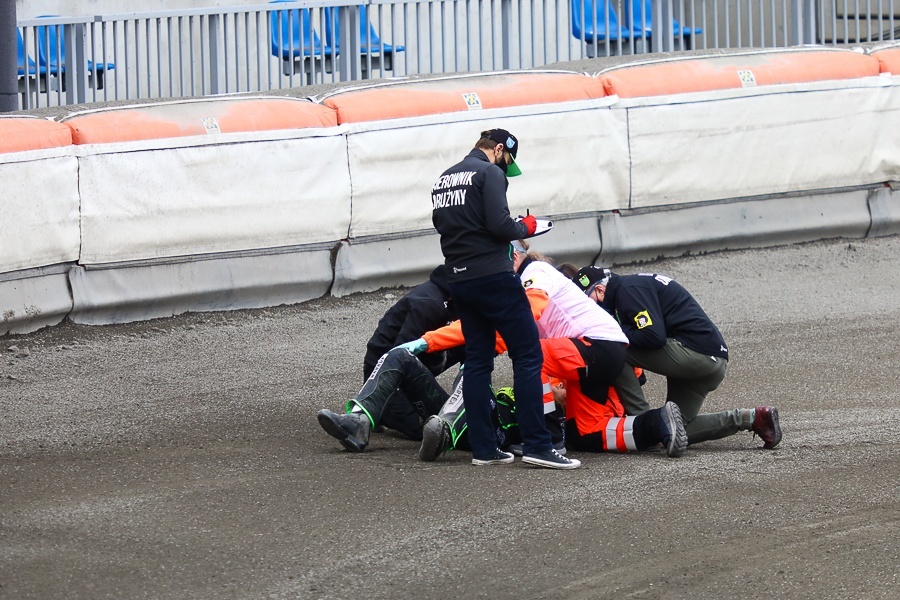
x=334 y=429
x=679 y=441
x=777 y=427
x=435 y=439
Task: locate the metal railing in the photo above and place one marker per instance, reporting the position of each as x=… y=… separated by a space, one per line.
x=290 y=44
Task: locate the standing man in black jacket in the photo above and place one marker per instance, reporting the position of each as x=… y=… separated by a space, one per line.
x=426 y=307
x=670 y=334
x=471 y=214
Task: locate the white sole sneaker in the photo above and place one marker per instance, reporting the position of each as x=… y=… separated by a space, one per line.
x=551 y=460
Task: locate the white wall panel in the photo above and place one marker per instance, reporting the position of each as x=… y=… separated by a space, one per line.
x=885 y=138
x=573 y=161
x=757 y=145
x=38 y=210
x=206 y=198
x=33 y=299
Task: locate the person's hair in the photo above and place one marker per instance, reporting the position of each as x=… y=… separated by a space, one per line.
x=568 y=269
x=532 y=254
x=485 y=142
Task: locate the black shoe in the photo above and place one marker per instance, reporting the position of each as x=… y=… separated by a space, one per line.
x=435 y=438
x=671 y=429
x=351 y=430
x=499 y=457
x=766 y=426
x=551 y=459
x=519 y=449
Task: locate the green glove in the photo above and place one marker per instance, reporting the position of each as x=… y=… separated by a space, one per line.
x=415 y=347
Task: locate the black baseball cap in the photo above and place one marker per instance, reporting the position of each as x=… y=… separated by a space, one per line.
x=590 y=277
x=511 y=143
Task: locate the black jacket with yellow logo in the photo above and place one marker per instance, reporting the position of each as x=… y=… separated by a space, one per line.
x=652 y=307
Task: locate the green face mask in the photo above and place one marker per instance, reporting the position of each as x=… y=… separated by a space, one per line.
x=509 y=170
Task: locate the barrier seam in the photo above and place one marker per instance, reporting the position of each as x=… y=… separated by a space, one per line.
x=740 y=199
x=871 y=82
x=527 y=110
x=450 y=77
x=674 y=59
x=191 y=258
x=220 y=139
x=108 y=109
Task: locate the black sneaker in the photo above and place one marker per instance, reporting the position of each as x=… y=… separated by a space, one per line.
x=672 y=432
x=351 y=430
x=499 y=457
x=551 y=459
x=435 y=438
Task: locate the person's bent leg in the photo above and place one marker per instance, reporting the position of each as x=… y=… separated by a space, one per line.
x=402 y=417
x=762 y=421
x=398 y=369
x=690 y=376
x=628 y=389
x=690 y=393
x=718 y=425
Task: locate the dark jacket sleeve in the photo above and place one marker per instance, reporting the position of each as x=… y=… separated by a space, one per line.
x=640 y=315
x=497 y=219
x=424 y=314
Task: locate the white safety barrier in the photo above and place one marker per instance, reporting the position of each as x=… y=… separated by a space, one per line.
x=226 y=219
x=39 y=228
x=392 y=191
x=207 y=203
x=758 y=141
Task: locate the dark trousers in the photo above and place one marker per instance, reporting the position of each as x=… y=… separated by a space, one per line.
x=487 y=306
x=400 y=377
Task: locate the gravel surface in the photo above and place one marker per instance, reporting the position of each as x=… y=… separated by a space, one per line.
x=181 y=458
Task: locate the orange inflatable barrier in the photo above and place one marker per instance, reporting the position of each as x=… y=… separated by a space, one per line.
x=18 y=135
x=457 y=94
x=888 y=59
x=706 y=73
x=183 y=119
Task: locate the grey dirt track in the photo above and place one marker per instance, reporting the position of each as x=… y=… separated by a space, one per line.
x=181 y=458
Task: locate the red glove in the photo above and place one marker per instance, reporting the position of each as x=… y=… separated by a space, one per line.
x=530 y=223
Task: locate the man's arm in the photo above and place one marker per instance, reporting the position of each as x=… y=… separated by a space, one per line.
x=496 y=210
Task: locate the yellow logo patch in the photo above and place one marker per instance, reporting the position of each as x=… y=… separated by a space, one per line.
x=642 y=319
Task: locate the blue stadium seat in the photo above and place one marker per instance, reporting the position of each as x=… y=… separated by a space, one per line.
x=604 y=25
x=296 y=42
x=642 y=21
x=26 y=64
x=52 y=52
x=369 y=42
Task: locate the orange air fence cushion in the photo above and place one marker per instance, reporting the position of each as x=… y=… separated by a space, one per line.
x=889 y=59
x=447 y=95
x=18 y=135
x=735 y=71
x=197 y=118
